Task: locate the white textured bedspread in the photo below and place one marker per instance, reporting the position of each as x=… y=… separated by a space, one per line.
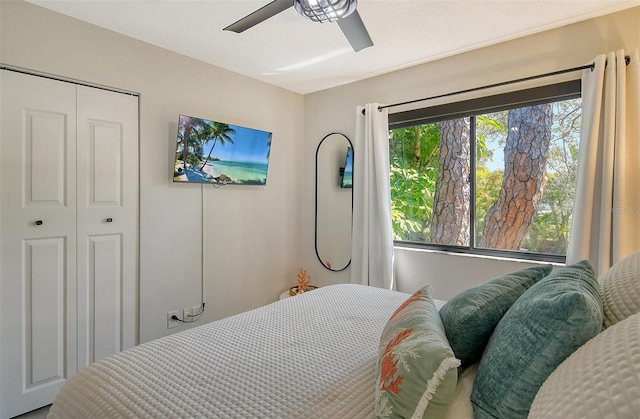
x=312 y=355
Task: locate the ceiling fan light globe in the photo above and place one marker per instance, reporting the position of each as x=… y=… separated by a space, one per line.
x=325 y=10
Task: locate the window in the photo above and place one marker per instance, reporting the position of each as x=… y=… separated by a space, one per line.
x=494 y=175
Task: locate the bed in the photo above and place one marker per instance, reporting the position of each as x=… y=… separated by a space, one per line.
x=314 y=353
x=319 y=354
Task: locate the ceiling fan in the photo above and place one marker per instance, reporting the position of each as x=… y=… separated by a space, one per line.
x=341 y=11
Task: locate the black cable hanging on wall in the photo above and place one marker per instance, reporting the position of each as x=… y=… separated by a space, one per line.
x=591 y=66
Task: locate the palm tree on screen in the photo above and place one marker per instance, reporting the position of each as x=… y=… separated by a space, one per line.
x=184 y=135
x=190 y=139
x=216 y=131
x=269 y=144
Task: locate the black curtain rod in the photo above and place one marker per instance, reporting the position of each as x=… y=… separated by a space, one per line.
x=504 y=83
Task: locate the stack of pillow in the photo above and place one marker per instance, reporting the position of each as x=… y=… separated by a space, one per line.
x=602 y=378
x=534 y=338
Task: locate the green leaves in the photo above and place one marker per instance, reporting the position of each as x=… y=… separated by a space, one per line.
x=411 y=201
x=414 y=159
x=414 y=155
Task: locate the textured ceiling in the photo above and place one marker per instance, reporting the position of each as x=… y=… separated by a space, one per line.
x=294 y=53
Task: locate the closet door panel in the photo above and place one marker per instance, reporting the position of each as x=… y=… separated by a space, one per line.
x=105 y=165
x=44 y=311
x=107 y=223
x=105 y=288
x=45 y=143
x=38 y=240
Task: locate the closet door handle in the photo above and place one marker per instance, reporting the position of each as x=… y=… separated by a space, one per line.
x=109 y=220
x=39 y=222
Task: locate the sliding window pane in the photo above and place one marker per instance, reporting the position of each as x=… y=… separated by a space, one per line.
x=430 y=191
x=525 y=177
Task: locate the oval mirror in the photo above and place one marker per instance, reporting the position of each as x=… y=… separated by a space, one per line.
x=334 y=201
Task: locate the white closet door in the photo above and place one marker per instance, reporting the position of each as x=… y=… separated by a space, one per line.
x=107 y=170
x=38 y=240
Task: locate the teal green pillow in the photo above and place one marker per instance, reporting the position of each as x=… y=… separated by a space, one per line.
x=470 y=317
x=548 y=323
x=417 y=371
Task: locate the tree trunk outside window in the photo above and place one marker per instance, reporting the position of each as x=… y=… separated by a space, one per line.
x=450 y=219
x=525 y=155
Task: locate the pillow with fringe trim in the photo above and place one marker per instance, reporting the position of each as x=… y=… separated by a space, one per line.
x=417 y=371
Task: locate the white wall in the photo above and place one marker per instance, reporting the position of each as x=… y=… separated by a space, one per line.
x=257 y=238
x=449 y=273
x=252 y=233
x=334 y=110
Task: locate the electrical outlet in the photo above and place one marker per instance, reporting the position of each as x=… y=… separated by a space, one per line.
x=170 y=322
x=186 y=314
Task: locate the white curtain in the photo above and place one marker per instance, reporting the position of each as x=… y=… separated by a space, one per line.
x=605 y=224
x=372 y=235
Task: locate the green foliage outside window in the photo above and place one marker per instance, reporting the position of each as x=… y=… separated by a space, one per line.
x=414 y=166
x=414 y=157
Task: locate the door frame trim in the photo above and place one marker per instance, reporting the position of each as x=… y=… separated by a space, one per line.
x=65 y=79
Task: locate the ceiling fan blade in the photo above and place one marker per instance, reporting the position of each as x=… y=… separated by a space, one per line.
x=355 y=31
x=260 y=15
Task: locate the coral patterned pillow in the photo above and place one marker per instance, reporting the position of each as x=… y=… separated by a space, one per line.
x=416 y=374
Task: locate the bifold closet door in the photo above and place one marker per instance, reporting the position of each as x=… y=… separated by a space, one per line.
x=68 y=224
x=38 y=240
x=107 y=203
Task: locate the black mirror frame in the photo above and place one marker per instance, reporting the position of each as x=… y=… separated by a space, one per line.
x=316 y=202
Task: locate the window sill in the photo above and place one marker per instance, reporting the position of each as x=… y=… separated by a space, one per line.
x=471 y=254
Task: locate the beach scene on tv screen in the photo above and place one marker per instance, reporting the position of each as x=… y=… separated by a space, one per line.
x=214 y=152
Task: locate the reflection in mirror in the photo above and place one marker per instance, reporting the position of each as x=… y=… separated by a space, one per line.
x=334 y=201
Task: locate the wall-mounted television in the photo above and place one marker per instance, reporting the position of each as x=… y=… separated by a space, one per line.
x=218 y=153
x=347 y=177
